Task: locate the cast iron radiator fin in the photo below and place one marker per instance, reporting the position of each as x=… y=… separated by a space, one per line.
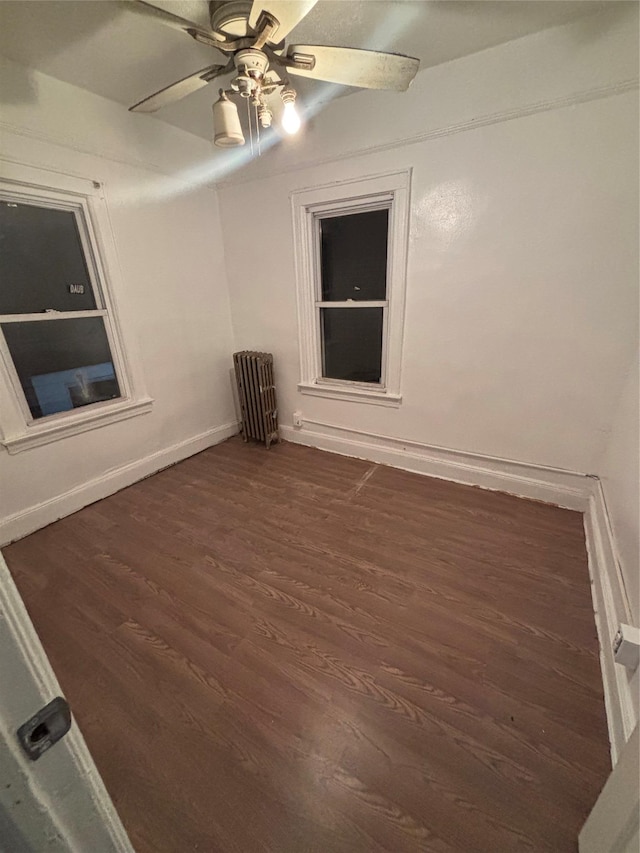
x=257 y=393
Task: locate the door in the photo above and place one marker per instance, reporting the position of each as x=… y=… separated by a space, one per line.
x=612 y=826
x=58 y=803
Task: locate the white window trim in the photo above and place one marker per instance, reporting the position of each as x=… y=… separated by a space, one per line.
x=19 y=430
x=391 y=190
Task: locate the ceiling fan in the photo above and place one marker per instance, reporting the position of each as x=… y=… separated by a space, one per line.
x=252 y=35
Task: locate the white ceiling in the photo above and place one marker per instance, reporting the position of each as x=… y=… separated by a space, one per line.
x=103 y=47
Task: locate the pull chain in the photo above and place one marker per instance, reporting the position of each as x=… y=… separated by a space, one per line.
x=258 y=131
x=250 y=127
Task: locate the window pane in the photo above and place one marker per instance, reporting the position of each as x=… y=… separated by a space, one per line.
x=352 y=343
x=42 y=264
x=354 y=256
x=62 y=364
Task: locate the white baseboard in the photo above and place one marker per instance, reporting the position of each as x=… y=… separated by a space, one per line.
x=568 y=489
x=27 y=521
x=611 y=607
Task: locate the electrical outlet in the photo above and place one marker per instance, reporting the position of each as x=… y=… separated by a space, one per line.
x=297 y=419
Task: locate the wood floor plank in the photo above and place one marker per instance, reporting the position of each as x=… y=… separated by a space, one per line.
x=296 y=652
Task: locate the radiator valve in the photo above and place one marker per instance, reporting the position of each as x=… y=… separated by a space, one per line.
x=626 y=646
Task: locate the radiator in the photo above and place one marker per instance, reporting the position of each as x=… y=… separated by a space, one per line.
x=257 y=393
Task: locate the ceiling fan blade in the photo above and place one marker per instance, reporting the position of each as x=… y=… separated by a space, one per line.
x=349 y=66
x=180 y=89
x=148 y=10
x=288 y=14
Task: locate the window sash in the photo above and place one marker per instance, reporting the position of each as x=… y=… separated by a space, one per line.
x=345 y=209
x=80 y=212
x=52 y=315
x=328 y=380
x=355 y=303
x=5 y=354
x=80 y=209
x=362 y=204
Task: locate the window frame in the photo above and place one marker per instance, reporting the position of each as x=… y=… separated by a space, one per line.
x=85 y=199
x=309 y=206
x=319 y=216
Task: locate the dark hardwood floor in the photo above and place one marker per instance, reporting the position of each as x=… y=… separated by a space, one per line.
x=292 y=651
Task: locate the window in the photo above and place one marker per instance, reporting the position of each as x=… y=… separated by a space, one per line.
x=353 y=294
x=50 y=314
x=63 y=366
x=350 y=242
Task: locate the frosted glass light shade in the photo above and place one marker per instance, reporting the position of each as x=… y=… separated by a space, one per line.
x=226 y=124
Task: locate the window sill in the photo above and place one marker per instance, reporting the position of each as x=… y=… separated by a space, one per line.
x=45 y=434
x=355 y=395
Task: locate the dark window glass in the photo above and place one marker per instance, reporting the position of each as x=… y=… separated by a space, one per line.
x=354 y=256
x=62 y=364
x=352 y=343
x=42 y=264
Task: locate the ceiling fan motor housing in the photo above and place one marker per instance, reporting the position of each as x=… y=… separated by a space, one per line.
x=251 y=65
x=252 y=62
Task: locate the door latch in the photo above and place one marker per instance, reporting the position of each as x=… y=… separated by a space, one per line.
x=45 y=728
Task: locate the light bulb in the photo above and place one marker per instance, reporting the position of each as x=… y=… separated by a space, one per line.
x=290 y=118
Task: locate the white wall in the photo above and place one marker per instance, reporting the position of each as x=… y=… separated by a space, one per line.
x=173 y=300
x=523 y=256
x=619 y=470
